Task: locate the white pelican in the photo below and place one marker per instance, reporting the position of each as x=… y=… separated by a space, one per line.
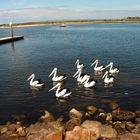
x=80 y=77
x=97 y=69
x=36 y=83
x=60 y=92
x=56 y=76
x=108 y=79
x=112 y=70
x=89 y=82
x=79 y=66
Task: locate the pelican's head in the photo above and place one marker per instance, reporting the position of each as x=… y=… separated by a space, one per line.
x=110 y=64
x=77 y=62
x=58 y=85
x=96 y=61
x=53 y=71
x=31 y=76
x=105 y=74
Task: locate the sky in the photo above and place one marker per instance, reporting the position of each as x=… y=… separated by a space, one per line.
x=19 y=11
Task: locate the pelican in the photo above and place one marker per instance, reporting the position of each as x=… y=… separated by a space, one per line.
x=112 y=70
x=108 y=80
x=79 y=66
x=60 y=92
x=36 y=83
x=57 y=77
x=80 y=77
x=88 y=83
x=97 y=69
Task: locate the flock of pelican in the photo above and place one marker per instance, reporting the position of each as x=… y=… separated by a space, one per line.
x=84 y=79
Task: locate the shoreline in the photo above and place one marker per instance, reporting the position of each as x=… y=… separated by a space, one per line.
x=93 y=123
x=30 y=24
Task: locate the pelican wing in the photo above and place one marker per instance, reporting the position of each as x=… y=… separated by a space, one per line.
x=91 y=84
x=84 y=78
x=67 y=94
x=61 y=93
x=60 y=78
x=108 y=80
x=39 y=85
x=113 y=71
x=35 y=83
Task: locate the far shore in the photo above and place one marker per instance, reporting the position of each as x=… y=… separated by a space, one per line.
x=28 y=24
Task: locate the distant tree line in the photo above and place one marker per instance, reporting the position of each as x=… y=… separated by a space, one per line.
x=133 y=17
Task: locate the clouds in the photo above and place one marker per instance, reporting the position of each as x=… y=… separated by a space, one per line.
x=61 y=13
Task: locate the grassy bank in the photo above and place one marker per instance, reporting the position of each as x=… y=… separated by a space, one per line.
x=71 y=22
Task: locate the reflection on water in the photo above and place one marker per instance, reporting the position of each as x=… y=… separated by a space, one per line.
x=46 y=47
x=13 y=51
x=35 y=90
x=108 y=85
x=61 y=101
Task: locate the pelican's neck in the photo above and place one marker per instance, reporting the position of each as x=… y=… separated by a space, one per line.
x=79 y=74
x=96 y=63
x=111 y=66
x=57 y=90
x=105 y=75
x=32 y=78
x=54 y=75
x=77 y=62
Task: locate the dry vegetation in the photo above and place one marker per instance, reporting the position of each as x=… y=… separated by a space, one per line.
x=128 y=19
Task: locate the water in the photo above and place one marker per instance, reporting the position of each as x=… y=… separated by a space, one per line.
x=46 y=47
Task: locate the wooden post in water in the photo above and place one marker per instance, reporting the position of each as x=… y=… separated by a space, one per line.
x=11 y=30
x=11 y=37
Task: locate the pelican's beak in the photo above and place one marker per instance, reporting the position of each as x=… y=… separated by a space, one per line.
x=56 y=86
x=76 y=61
x=55 y=69
x=30 y=77
x=51 y=89
x=94 y=62
x=51 y=73
x=77 y=72
x=105 y=74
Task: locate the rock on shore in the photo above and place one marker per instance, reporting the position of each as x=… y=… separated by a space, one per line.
x=100 y=125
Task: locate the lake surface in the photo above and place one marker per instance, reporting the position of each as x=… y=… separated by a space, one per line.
x=46 y=47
